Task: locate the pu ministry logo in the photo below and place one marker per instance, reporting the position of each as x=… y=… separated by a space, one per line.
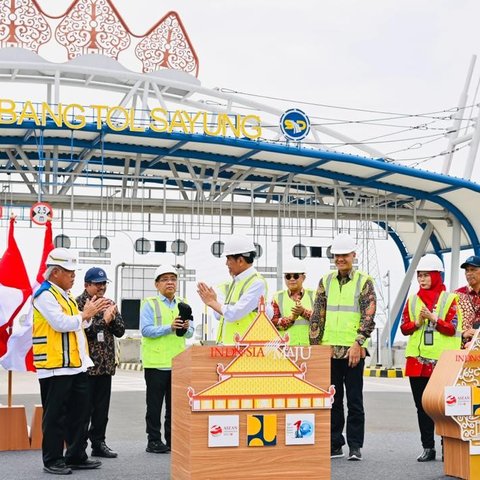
x=262 y=430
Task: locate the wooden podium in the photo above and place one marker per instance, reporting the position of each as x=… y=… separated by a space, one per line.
x=14 y=431
x=461 y=433
x=242 y=381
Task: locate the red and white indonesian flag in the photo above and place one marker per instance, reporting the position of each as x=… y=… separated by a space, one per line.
x=19 y=355
x=15 y=288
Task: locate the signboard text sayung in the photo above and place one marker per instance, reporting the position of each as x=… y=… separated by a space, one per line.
x=118 y=118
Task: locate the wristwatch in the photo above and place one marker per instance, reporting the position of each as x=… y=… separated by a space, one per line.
x=360 y=341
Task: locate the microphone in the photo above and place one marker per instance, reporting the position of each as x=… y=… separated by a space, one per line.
x=185 y=312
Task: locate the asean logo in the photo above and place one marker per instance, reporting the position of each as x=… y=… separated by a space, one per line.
x=451 y=400
x=294 y=124
x=216 y=430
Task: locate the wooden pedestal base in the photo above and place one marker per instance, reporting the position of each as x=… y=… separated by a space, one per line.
x=458 y=462
x=14 y=432
x=36 y=428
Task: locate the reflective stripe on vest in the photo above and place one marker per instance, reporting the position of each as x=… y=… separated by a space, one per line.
x=227 y=330
x=343 y=308
x=299 y=331
x=416 y=343
x=158 y=352
x=53 y=349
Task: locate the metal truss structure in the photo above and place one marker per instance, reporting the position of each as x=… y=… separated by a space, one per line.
x=113 y=162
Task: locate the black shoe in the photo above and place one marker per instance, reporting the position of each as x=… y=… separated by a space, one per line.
x=58 y=468
x=102 y=450
x=355 y=454
x=85 y=465
x=156 y=446
x=427 y=455
x=336 y=452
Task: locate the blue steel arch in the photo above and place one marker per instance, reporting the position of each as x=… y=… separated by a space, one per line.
x=259 y=145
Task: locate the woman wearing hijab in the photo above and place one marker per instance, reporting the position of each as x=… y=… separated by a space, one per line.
x=430 y=318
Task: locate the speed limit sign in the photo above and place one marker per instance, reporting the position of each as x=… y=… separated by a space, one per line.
x=40 y=212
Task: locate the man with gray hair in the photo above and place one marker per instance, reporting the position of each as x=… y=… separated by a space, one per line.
x=343 y=317
x=60 y=355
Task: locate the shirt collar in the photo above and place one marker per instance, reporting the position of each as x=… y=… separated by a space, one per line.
x=471 y=291
x=301 y=292
x=245 y=274
x=350 y=275
x=164 y=299
x=61 y=290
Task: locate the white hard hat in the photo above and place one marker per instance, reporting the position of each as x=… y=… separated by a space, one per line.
x=62 y=257
x=165 y=269
x=430 y=263
x=343 y=243
x=294 y=267
x=238 y=244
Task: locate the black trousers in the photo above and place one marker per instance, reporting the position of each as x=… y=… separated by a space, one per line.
x=159 y=387
x=65 y=410
x=100 y=388
x=426 y=424
x=349 y=380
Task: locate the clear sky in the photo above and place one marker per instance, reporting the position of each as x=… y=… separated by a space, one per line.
x=399 y=56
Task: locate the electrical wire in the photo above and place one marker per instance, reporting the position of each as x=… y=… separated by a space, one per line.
x=340 y=107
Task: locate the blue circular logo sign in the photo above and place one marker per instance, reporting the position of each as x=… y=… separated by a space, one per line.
x=305 y=429
x=295 y=124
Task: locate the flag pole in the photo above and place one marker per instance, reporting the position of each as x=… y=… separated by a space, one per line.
x=9 y=390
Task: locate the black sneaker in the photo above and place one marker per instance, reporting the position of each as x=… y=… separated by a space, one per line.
x=355 y=454
x=156 y=446
x=428 y=455
x=337 y=453
x=85 y=465
x=102 y=450
x=58 y=468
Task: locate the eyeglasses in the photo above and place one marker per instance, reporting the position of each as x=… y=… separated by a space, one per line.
x=167 y=279
x=98 y=284
x=295 y=276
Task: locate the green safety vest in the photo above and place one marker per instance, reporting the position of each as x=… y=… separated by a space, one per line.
x=416 y=346
x=299 y=331
x=343 y=309
x=158 y=352
x=227 y=330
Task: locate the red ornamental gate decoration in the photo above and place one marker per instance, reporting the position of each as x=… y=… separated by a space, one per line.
x=96 y=26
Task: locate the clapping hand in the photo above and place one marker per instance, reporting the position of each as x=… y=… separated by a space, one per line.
x=298 y=310
x=109 y=313
x=93 y=306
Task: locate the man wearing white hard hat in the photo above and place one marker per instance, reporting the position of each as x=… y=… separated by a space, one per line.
x=244 y=291
x=293 y=306
x=165 y=322
x=60 y=355
x=343 y=317
x=430 y=319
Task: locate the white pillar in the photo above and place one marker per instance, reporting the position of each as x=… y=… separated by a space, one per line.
x=455 y=259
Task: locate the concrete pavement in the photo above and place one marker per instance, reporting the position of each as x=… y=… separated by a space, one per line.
x=391 y=446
